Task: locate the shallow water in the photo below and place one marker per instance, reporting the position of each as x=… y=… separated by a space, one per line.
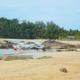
x=11 y=51
x=33 y=53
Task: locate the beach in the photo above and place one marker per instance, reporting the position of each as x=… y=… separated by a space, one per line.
x=46 y=66
x=39 y=40
x=42 y=69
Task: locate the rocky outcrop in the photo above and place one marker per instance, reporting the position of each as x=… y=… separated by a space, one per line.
x=5 y=44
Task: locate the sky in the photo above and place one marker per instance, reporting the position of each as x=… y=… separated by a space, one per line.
x=65 y=13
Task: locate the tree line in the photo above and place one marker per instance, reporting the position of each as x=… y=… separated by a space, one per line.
x=12 y=28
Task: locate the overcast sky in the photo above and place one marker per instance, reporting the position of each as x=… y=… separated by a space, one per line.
x=65 y=13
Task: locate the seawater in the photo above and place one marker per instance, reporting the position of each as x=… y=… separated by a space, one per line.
x=33 y=53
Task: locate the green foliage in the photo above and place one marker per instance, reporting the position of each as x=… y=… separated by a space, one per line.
x=38 y=30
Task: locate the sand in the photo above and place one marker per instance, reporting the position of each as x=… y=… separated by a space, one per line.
x=42 y=69
x=70 y=42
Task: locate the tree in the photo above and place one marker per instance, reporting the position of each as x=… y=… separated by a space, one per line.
x=11 y=28
x=52 y=30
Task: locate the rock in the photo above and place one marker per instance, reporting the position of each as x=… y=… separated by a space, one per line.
x=63 y=70
x=5 y=44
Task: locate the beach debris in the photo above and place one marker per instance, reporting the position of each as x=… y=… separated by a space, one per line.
x=63 y=70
